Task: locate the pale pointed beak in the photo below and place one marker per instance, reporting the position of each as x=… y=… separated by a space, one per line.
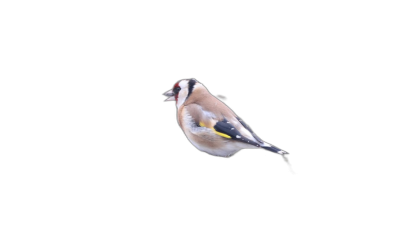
x=170 y=95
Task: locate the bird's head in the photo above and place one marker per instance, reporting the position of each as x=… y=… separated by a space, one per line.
x=181 y=91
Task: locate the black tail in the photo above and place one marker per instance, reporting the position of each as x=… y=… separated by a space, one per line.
x=274 y=149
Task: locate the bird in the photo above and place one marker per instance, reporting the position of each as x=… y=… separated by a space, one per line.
x=209 y=124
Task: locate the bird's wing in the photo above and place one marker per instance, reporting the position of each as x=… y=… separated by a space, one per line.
x=220 y=125
x=249 y=129
x=205 y=103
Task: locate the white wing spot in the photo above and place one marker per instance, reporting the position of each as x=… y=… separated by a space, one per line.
x=232 y=128
x=237 y=136
x=267 y=144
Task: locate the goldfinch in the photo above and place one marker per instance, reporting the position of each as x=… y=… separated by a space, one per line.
x=209 y=124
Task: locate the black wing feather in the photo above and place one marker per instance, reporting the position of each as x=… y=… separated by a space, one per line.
x=249 y=129
x=226 y=128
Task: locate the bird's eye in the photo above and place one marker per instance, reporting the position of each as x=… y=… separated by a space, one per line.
x=176 y=90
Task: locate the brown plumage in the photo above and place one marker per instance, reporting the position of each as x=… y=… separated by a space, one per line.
x=209 y=124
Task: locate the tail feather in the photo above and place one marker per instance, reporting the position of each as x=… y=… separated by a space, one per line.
x=275 y=149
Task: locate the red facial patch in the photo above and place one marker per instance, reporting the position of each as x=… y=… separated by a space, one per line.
x=176 y=85
x=176 y=95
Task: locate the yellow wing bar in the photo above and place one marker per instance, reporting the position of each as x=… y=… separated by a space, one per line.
x=216 y=132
